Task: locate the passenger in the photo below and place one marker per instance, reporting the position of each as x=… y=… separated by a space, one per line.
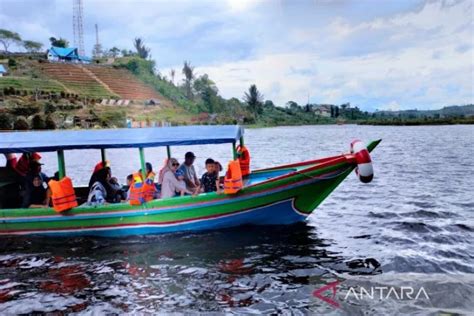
x=180 y=176
x=210 y=179
x=36 y=193
x=218 y=171
x=218 y=167
x=190 y=175
x=99 y=166
x=11 y=161
x=150 y=175
x=129 y=185
x=98 y=194
x=169 y=183
x=22 y=166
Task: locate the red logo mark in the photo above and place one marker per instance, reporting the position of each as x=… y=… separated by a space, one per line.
x=333 y=285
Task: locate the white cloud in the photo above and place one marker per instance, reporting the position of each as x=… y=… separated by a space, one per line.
x=409 y=75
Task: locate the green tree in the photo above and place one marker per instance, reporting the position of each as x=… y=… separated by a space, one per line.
x=142 y=50
x=114 y=51
x=188 y=72
x=8 y=37
x=32 y=46
x=203 y=82
x=61 y=42
x=208 y=91
x=269 y=104
x=21 y=124
x=254 y=100
x=293 y=106
x=37 y=122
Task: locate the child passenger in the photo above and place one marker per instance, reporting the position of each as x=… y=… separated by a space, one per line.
x=210 y=179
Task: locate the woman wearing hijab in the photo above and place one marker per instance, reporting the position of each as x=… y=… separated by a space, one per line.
x=169 y=183
x=101 y=192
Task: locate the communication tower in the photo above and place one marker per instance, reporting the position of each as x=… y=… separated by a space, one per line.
x=77 y=26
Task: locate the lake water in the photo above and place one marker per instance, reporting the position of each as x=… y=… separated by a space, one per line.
x=412 y=228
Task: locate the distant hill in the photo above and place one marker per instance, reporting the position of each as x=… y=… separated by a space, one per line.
x=448 y=111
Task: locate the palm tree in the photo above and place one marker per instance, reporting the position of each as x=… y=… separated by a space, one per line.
x=142 y=50
x=254 y=100
x=188 y=72
x=172 y=74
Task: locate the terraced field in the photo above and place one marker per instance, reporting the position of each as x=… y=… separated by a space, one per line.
x=123 y=83
x=30 y=84
x=76 y=80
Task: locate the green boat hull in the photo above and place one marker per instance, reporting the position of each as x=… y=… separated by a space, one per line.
x=275 y=196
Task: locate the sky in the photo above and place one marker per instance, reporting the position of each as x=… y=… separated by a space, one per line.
x=378 y=55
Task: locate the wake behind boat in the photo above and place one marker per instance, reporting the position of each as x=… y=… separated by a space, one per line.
x=274 y=196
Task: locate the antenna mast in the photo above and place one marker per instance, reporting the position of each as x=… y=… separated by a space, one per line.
x=77 y=26
x=97 y=51
x=96 y=34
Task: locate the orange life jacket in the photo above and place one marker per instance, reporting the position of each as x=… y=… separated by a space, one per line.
x=63 y=195
x=233 y=178
x=244 y=159
x=136 y=193
x=141 y=192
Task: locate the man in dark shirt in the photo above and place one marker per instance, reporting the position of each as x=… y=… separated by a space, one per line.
x=210 y=180
x=36 y=187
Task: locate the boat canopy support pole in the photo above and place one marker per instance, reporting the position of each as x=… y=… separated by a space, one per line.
x=142 y=162
x=241 y=141
x=103 y=156
x=168 y=151
x=61 y=164
x=234 y=151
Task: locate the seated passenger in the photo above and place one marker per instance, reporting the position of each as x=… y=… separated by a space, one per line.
x=190 y=175
x=210 y=179
x=99 y=166
x=36 y=193
x=129 y=185
x=180 y=176
x=22 y=166
x=218 y=170
x=169 y=183
x=98 y=193
x=150 y=175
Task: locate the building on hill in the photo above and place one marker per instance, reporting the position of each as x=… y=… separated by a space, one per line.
x=68 y=54
x=323 y=110
x=3 y=70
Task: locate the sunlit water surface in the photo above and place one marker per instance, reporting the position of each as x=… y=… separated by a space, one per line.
x=411 y=227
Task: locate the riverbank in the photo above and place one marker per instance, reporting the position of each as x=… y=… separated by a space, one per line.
x=416 y=122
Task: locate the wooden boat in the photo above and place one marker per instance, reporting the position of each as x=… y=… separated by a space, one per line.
x=274 y=196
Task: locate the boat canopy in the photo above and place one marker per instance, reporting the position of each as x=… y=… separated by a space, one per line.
x=43 y=141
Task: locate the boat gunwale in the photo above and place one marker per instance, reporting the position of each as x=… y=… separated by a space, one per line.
x=209 y=198
x=212 y=198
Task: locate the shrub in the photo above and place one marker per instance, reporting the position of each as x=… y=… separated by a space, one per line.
x=21 y=124
x=49 y=108
x=49 y=123
x=37 y=122
x=25 y=110
x=11 y=62
x=5 y=121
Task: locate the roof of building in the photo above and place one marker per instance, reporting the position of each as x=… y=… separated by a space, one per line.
x=68 y=52
x=3 y=69
x=42 y=141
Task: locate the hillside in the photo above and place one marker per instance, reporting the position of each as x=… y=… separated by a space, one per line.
x=93 y=81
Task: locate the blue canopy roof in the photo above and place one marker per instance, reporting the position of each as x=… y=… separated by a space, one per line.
x=2 y=69
x=42 y=141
